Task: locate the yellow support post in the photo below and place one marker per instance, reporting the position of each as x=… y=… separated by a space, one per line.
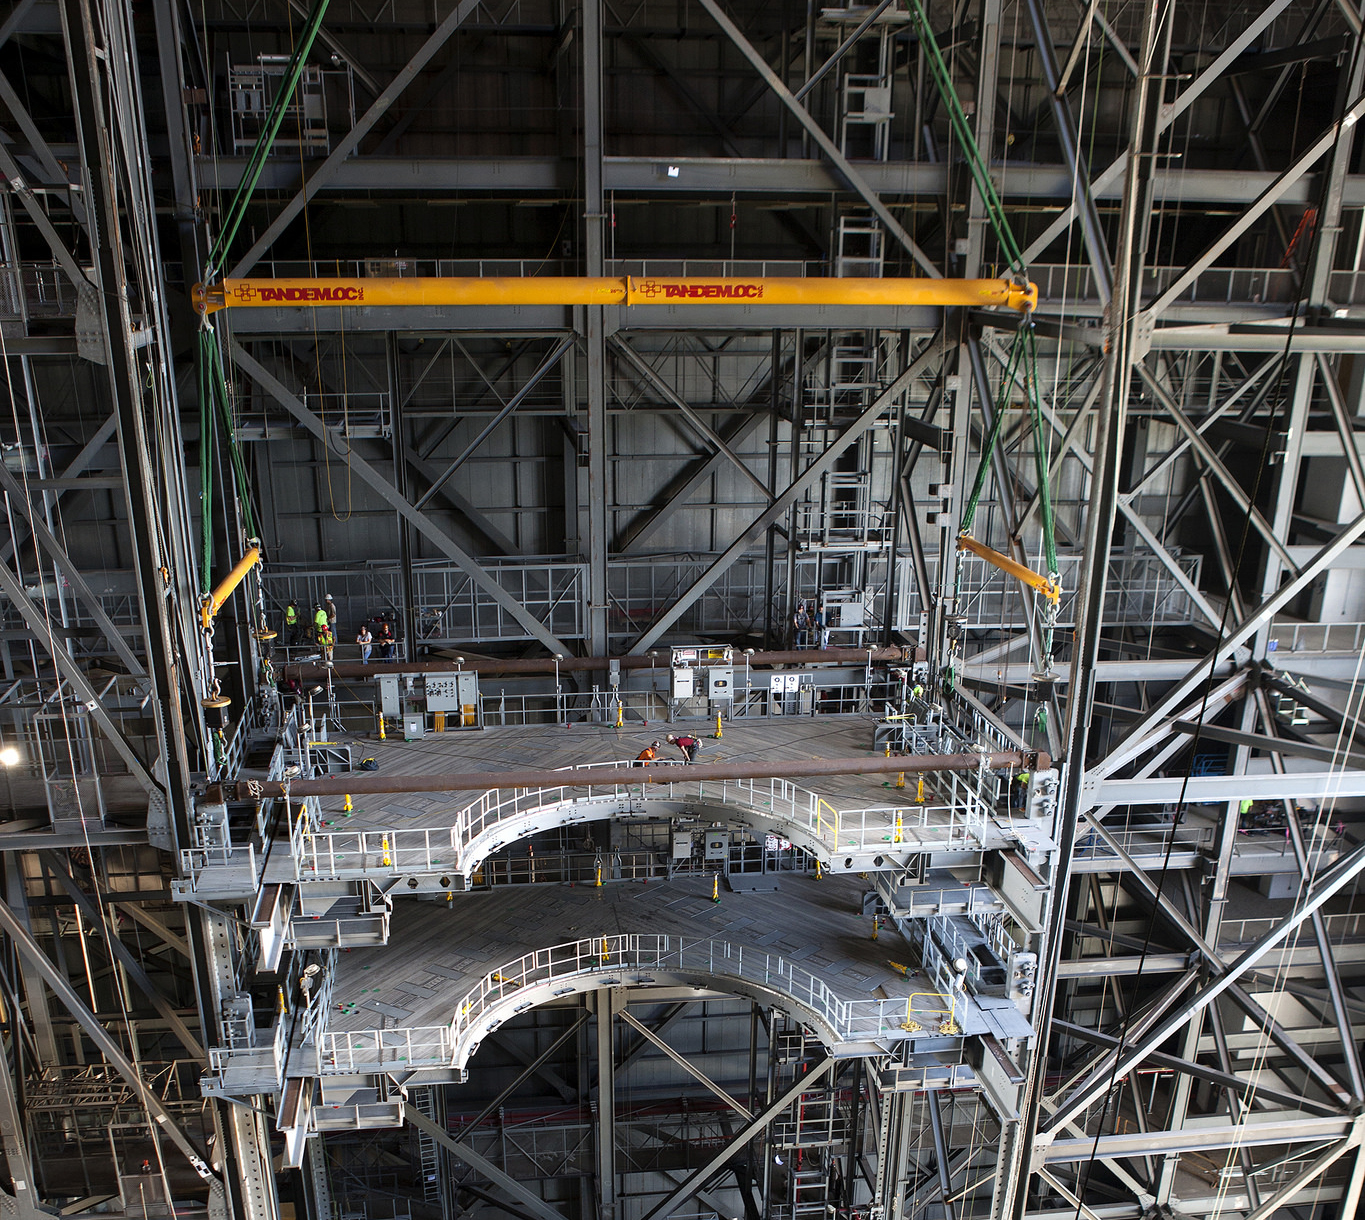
x=874 y=927
x=346 y=805
x=382 y=736
x=281 y=1004
x=898 y=836
x=620 y=715
x=819 y=872
x=599 y=874
x=715 y=887
x=919 y=791
x=388 y=860
x=719 y=734
x=900 y=779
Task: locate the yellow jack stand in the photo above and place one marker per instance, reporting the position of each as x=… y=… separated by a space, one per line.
x=874 y=927
x=599 y=876
x=620 y=715
x=900 y=779
x=347 y=806
x=715 y=887
x=919 y=791
x=281 y=1004
x=898 y=837
x=382 y=737
x=388 y=859
x=719 y=734
x=819 y=872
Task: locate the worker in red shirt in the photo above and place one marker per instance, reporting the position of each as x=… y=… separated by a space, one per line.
x=687 y=745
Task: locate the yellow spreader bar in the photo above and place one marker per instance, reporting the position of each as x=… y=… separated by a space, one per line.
x=629 y=290
x=1044 y=586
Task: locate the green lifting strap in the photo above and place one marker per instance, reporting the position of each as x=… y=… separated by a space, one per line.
x=265 y=141
x=1025 y=350
x=213 y=395
x=992 y=438
x=957 y=118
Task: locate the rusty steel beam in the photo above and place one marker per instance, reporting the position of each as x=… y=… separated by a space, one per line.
x=357 y=784
x=489 y=667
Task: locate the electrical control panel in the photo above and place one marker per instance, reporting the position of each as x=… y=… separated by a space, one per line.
x=451 y=692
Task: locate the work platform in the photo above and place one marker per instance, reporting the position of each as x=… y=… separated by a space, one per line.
x=435 y=918
x=437 y=843
x=463 y=967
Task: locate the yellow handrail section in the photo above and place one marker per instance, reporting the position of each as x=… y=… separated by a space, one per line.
x=1044 y=586
x=821 y=823
x=945 y=1010
x=212 y=603
x=602 y=290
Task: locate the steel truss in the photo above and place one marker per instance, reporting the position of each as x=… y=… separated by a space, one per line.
x=603 y=482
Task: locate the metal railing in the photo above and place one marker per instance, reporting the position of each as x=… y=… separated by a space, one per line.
x=1316 y=637
x=506 y=989
x=376 y=1050
x=1143 y=841
x=369 y=268
x=36 y=290
x=251 y=1064
x=683 y=268
x=1345 y=926
x=498 y=816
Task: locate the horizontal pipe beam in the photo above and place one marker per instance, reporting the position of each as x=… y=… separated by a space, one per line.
x=489 y=667
x=381 y=291
x=485 y=781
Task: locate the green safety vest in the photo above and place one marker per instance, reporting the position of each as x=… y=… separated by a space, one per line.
x=291 y=615
x=320 y=619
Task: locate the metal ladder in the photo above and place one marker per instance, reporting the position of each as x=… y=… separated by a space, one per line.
x=427 y=1102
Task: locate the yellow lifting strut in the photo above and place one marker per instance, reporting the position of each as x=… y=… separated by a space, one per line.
x=213 y=602
x=600 y=290
x=1053 y=592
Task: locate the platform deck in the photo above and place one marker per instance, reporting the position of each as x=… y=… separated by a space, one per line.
x=777 y=739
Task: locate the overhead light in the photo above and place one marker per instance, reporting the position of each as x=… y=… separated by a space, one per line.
x=673 y=171
x=9 y=756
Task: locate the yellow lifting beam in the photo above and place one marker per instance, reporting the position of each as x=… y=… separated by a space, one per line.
x=213 y=602
x=630 y=290
x=965 y=542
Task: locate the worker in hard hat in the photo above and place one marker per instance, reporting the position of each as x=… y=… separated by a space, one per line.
x=687 y=745
x=291 y=621
x=319 y=621
x=326 y=641
x=331 y=607
x=648 y=754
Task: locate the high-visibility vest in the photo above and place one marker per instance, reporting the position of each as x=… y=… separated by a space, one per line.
x=291 y=615
x=320 y=619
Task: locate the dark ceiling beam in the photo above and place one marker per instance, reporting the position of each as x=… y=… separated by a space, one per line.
x=509 y=177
